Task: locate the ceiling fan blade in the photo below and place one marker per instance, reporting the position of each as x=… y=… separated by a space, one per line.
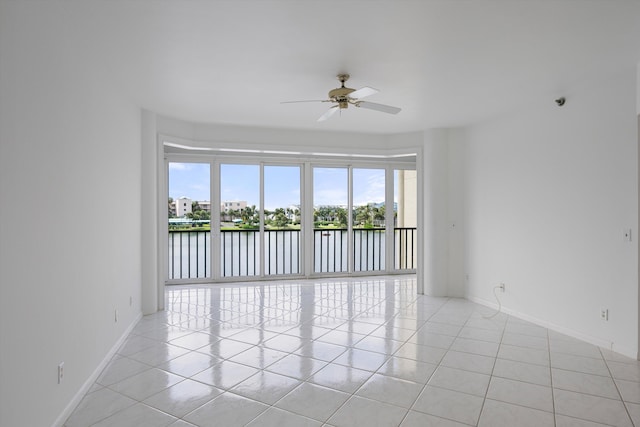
x=362 y=92
x=379 y=107
x=330 y=112
x=311 y=100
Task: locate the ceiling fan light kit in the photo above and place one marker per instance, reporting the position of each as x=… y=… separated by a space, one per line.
x=343 y=96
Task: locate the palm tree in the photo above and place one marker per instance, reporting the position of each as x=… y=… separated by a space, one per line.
x=280 y=219
x=172 y=208
x=341 y=217
x=364 y=215
x=250 y=215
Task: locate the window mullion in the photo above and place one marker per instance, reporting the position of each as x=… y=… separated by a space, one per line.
x=389 y=216
x=350 y=236
x=215 y=260
x=262 y=237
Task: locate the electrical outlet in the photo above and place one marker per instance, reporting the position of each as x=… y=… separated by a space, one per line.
x=115 y=316
x=501 y=287
x=627 y=235
x=60 y=372
x=604 y=314
x=130 y=301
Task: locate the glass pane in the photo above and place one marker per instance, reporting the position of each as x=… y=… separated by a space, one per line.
x=189 y=211
x=282 y=219
x=330 y=202
x=368 y=216
x=240 y=220
x=406 y=217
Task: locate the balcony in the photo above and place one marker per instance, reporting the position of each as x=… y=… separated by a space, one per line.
x=190 y=252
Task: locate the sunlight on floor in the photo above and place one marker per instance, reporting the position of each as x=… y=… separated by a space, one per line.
x=352 y=352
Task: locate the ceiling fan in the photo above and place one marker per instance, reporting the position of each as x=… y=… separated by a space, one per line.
x=343 y=96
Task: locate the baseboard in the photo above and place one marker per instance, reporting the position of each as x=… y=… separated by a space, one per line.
x=557 y=328
x=59 y=422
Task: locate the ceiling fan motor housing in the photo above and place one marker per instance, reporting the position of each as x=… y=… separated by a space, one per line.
x=341 y=96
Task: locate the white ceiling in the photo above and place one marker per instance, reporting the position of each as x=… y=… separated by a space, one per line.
x=445 y=63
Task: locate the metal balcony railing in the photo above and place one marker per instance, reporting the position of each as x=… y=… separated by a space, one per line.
x=330 y=254
x=190 y=252
x=405 y=246
x=240 y=252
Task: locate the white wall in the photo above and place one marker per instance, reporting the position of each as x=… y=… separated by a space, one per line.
x=456 y=192
x=209 y=134
x=69 y=255
x=151 y=154
x=548 y=193
x=434 y=228
x=638 y=159
x=443 y=204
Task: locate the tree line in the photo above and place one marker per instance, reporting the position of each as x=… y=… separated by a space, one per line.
x=369 y=215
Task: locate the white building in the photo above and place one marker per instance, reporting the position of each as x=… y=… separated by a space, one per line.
x=183 y=206
x=236 y=205
x=205 y=205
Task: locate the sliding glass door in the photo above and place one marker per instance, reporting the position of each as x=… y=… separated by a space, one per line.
x=189 y=214
x=239 y=220
x=350 y=219
x=331 y=220
x=234 y=220
x=282 y=220
x=259 y=238
x=368 y=219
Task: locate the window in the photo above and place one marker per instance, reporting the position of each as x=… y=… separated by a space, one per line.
x=356 y=218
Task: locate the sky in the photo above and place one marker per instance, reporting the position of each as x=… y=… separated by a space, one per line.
x=282 y=184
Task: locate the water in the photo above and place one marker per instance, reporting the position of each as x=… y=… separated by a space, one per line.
x=189 y=252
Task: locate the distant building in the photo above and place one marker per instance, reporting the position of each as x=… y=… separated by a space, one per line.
x=205 y=205
x=183 y=206
x=236 y=205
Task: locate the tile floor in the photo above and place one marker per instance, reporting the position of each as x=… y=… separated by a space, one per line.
x=352 y=352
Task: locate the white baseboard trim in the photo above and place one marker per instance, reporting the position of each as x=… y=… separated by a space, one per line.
x=59 y=422
x=561 y=329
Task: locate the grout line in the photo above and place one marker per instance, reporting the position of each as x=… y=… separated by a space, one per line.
x=626 y=408
x=553 y=397
x=492 y=370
